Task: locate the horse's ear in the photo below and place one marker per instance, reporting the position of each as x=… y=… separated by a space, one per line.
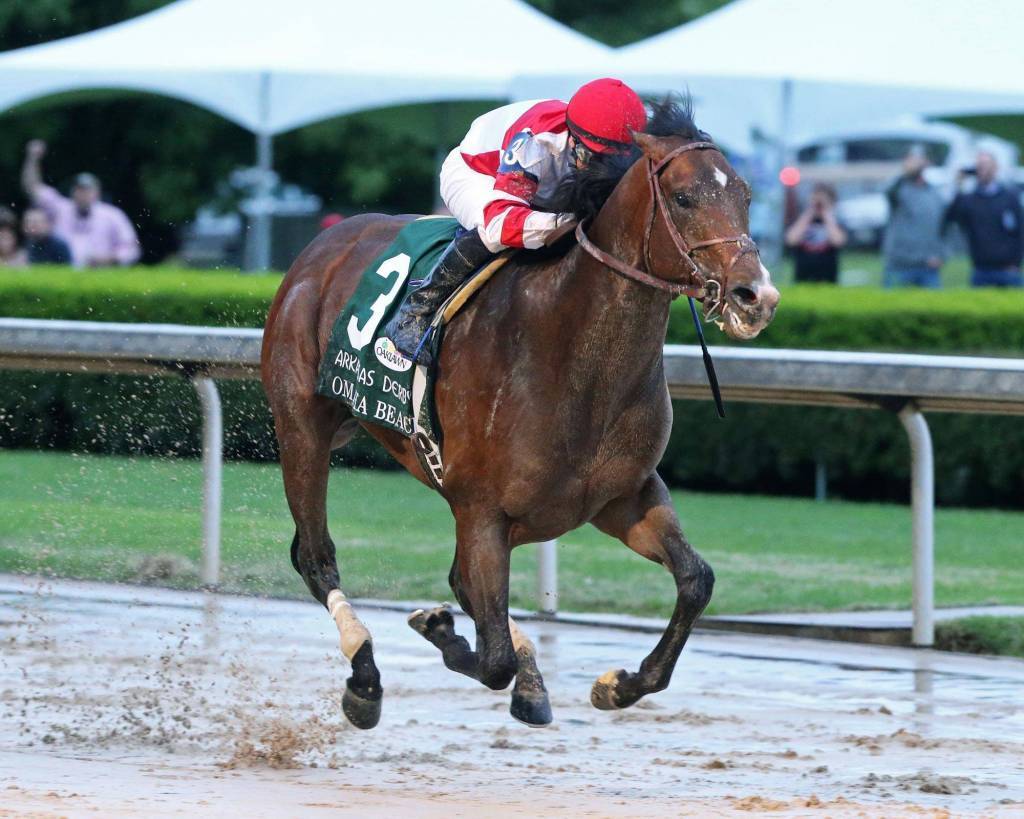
x=654 y=147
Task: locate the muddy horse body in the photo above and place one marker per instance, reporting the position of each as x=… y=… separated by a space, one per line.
x=552 y=398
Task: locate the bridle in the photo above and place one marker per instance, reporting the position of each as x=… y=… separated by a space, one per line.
x=706 y=288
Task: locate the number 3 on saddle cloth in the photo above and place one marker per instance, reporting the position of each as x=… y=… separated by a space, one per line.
x=362 y=367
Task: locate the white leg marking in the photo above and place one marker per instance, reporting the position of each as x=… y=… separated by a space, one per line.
x=353 y=632
x=519 y=639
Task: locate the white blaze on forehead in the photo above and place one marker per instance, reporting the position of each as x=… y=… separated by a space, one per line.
x=721 y=177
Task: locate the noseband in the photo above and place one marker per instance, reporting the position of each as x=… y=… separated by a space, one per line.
x=707 y=288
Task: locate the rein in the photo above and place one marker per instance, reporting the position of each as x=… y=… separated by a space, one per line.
x=705 y=288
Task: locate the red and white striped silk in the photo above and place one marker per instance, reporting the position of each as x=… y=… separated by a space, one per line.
x=510 y=157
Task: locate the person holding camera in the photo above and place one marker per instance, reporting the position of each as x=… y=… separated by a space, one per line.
x=816 y=238
x=913 y=248
x=990 y=217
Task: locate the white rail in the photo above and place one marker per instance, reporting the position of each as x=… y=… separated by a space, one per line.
x=904 y=384
x=213 y=460
x=922 y=503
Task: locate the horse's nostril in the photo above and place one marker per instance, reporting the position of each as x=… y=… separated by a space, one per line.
x=744 y=295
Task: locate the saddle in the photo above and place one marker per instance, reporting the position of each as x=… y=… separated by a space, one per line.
x=364 y=370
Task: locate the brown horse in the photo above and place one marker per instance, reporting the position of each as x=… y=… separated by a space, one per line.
x=552 y=398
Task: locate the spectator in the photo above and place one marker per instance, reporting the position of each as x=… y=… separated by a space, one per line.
x=97 y=233
x=42 y=246
x=914 y=249
x=990 y=217
x=11 y=254
x=816 y=237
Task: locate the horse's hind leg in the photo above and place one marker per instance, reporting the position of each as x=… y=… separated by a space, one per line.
x=648 y=524
x=307 y=429
x=480 y=581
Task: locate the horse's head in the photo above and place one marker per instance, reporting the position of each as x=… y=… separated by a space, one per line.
x=697 y=232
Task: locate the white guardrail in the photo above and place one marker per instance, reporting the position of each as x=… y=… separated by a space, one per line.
x=904 y=384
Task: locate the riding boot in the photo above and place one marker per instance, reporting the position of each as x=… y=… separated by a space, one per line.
x=410 y=325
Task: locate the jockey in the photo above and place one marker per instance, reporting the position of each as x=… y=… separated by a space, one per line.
x=512 y=158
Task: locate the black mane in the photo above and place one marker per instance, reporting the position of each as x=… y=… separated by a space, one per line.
x=584 y=192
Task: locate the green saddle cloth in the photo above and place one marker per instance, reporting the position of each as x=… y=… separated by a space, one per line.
x=361 y=366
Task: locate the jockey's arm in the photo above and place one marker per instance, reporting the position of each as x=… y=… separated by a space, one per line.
x=508 y=223
x=509 y=220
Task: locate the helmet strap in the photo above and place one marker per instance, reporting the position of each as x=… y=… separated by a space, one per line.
x=576 y=131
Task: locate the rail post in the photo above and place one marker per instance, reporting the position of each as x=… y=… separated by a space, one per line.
x=922 y=494
x=213 y=457
x=547 y=577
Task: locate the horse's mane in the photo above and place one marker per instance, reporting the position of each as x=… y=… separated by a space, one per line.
x=583 y=192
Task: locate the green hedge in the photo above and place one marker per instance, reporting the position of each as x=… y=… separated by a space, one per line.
x=158 y=294
x=809 y=317
x=979 y=459
x=826 y=317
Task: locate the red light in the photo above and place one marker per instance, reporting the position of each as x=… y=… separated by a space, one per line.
x=789 y=176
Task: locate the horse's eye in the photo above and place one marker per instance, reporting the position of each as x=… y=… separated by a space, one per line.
x=683 y=200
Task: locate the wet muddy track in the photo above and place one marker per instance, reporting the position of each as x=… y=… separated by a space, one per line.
x=133 y=701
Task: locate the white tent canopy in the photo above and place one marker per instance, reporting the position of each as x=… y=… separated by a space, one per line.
x=275 y=65
x=796 y=67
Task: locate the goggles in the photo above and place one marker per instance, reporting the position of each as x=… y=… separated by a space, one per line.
x=580 y=152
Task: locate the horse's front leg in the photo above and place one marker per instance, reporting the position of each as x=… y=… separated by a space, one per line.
x=529 y=697
x=530 y=703
x=648 y=524
x=480 y=581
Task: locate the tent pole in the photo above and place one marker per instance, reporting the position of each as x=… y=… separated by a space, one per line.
x=440 y=150
x=784 y=138
x=262 y=211
x=261 y=247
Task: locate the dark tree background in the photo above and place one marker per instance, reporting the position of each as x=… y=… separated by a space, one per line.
x=160 y=159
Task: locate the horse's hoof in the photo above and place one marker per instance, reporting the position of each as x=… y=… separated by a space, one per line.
x=605 y=695
x=361 y=712
x=531 y=709
x=423 y=622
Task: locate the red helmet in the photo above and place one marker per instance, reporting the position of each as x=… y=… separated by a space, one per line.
x=603 y=115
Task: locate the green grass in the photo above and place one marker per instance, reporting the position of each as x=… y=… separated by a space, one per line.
x=863 y=268
x=982 y=635
x=102 y=517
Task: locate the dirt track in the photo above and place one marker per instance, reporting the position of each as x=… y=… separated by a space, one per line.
x=122 y=701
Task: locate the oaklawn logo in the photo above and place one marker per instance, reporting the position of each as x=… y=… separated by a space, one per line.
x=388 y=355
